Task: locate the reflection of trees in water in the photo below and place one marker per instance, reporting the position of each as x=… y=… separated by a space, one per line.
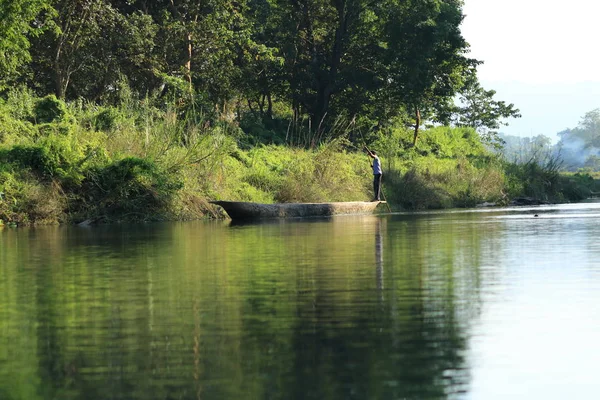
x=379 y=256
x=320 y=310
x=411 y=348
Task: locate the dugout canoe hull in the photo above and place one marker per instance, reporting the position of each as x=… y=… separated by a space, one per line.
x=239 y=210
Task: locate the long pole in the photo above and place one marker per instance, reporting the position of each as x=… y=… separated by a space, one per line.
x=384 y=199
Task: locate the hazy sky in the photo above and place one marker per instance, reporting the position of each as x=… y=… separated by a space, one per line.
x=540 y=55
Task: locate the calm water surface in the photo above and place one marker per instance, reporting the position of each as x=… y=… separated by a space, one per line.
x=473 y=304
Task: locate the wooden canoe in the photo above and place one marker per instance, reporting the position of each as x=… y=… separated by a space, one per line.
x=239 y=210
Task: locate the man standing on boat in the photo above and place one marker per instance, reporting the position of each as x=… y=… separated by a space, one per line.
x=376 y=174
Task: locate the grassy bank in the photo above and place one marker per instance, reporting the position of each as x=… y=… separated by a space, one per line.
x=70 y=163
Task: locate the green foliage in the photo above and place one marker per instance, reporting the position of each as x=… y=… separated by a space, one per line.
x=20 y=20
x=260 y=130
x=477 y=109
x=540 y=181
x=36 y=158
x=319 y=62
x=50 y=109
x=13 y=130
x=278 y=173
x=445 y=142
x=131 y=187
x=20 y=103
x=444 y=183
x=27 y=200
x=427 y=53
x=324 y=174
x=55 y=157
x=141 y=161
x=16 y=114
x=320 y=59
x=576 y=187
x=107 y=119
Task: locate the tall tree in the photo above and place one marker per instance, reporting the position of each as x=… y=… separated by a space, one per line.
x=67 y=50
x=94 y=48
x=364 y=57
x=327 y=47
x=19 y=21
x=203 y=42
x=427 y=60
x=476 y=108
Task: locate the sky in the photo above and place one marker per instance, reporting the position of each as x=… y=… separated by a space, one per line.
x=539 y=55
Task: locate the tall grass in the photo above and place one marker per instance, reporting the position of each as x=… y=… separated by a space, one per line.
x=432 y=184
x=142 y=161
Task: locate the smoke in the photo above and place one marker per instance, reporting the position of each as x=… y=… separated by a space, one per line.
x=575 y=153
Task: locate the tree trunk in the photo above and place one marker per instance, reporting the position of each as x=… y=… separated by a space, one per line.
x=261 y=104
x=188 y=64
x=250 y=107
x=60 y=83
x=417 y=125
x=188 y=61
x=327 y=88
x=61 y=78
x=270 y=106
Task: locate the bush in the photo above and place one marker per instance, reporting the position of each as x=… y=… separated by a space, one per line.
x=20 y=102
x=326 y=174
x=414 y=191
x=578 y=186
x=433 y=183
x=261 y=131
x=35 y=158
x=14 y=131
x=50 y=109
x=131 y=188
x=534 y=180
x=106 y=119
x=53 y=157
x=25 y=200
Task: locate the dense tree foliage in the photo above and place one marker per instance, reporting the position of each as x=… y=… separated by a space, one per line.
x=313 y=61
x=20 y=21
x=476 y=108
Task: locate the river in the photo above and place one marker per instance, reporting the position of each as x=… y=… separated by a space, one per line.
x=461 y=304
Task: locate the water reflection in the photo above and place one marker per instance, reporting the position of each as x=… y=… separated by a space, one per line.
x=379 y=258
x=286 y=310
x=344 y=308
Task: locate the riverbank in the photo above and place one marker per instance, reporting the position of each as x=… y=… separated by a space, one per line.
x=68 y=163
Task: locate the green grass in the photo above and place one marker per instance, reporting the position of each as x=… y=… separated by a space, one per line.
x=137 y=162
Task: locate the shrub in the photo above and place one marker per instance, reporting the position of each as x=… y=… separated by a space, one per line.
x=261 y=130
x=131 y=188
x=326 y=174
x=53 y=157
x=25 y=200
x=50 y=109
x=20 y=102
x=13 y=130
x=106 y=119
x=534 y=180
x=35 y=158
x=578 y=186
x=432 y=183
